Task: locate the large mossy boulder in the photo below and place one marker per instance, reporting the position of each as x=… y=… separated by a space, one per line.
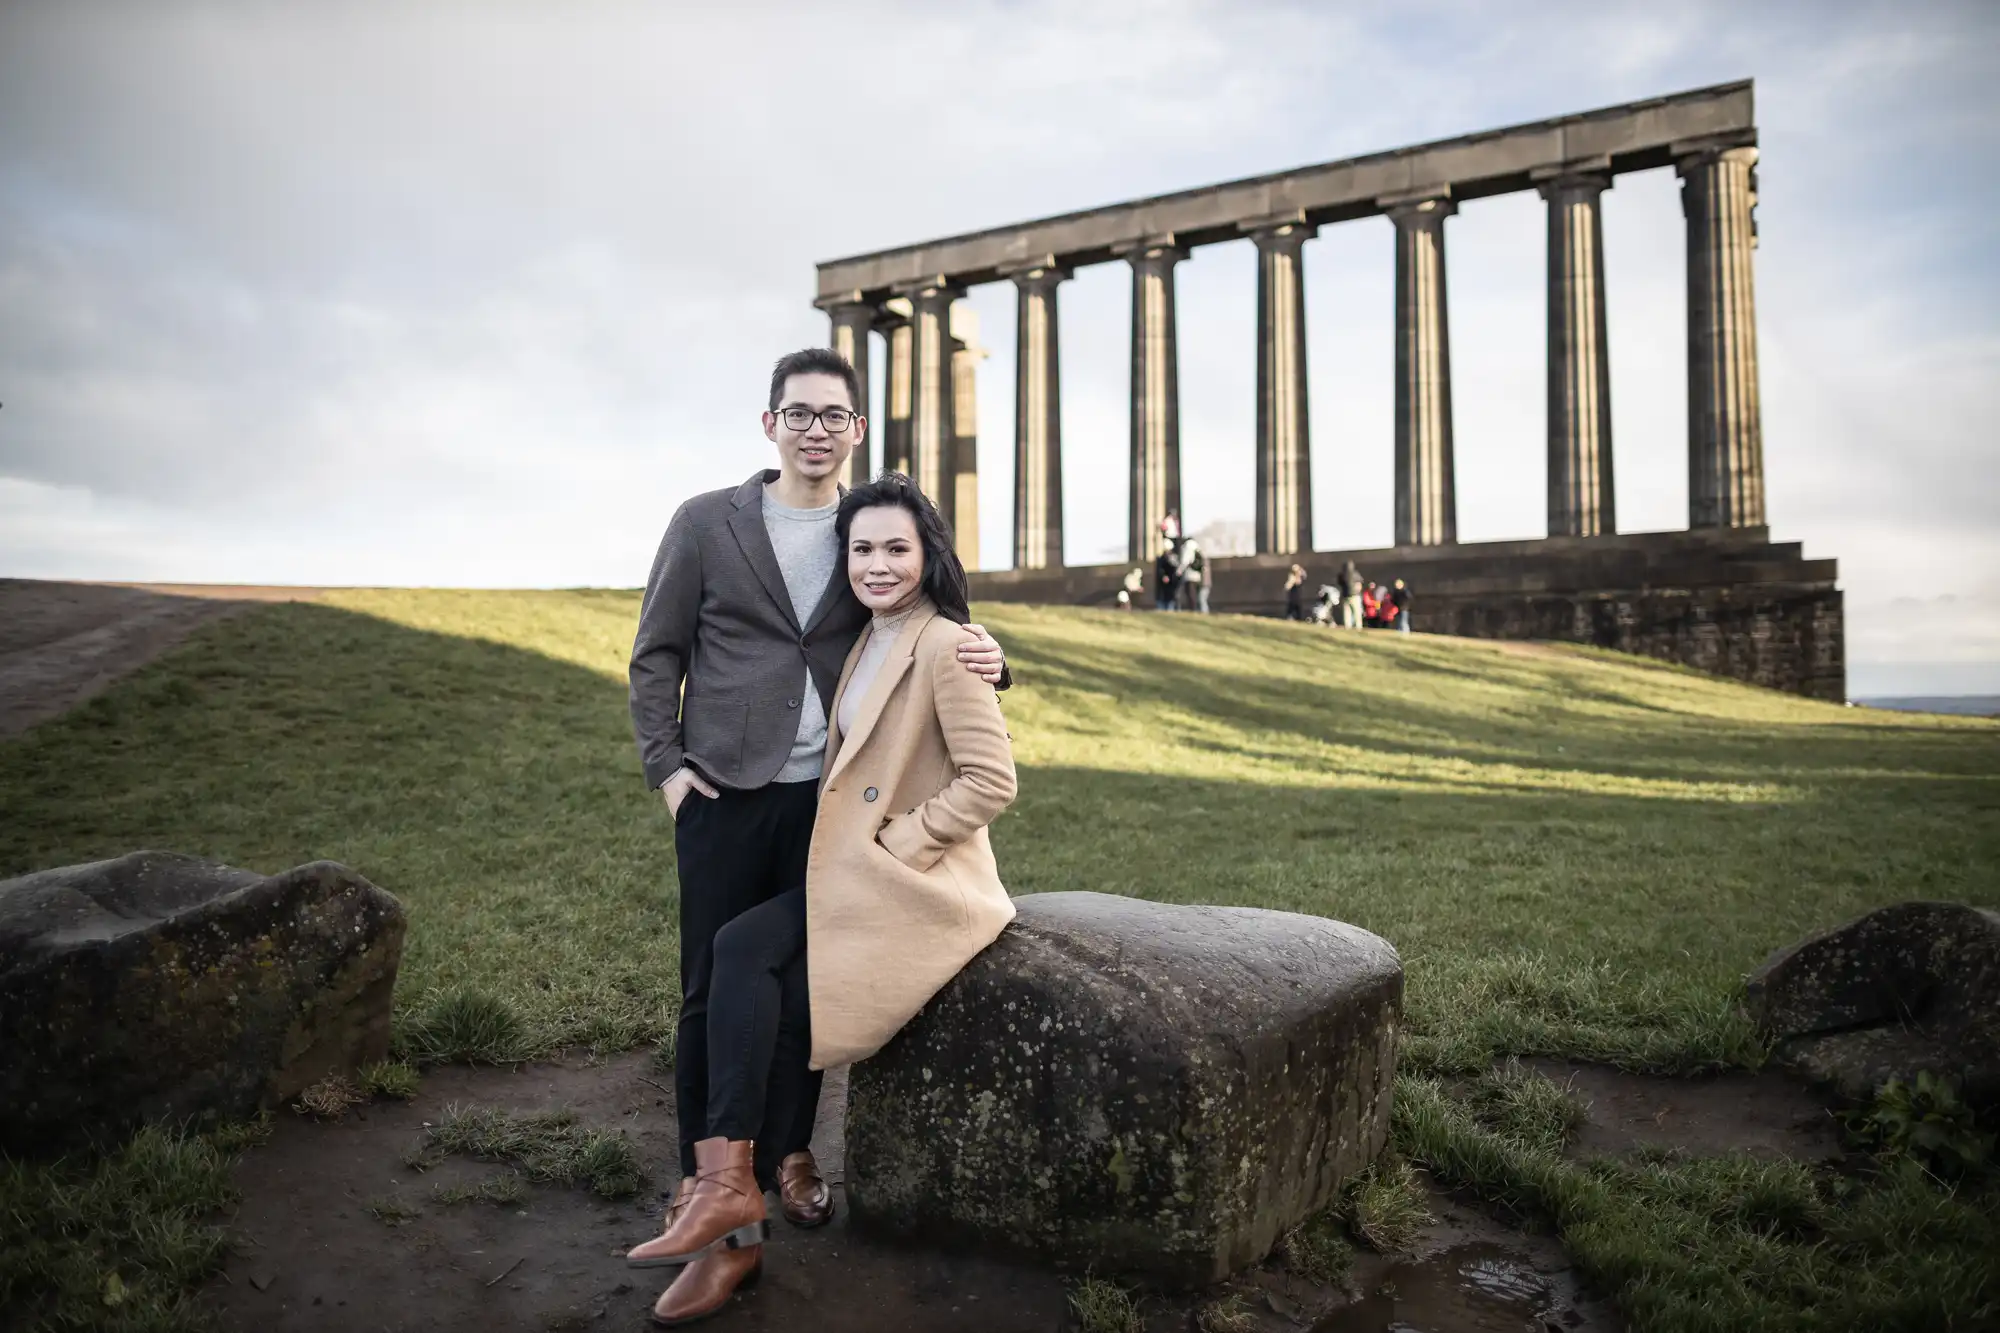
x=1154 y=1091
x=163 y=987
x=1907 y=988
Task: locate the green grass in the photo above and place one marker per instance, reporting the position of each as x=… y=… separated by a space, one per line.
x=1577 y=854
x=1103 y=1307
x=548 y=1146
x=1729 y=1243
x=117 y=1243
x=502 y=1189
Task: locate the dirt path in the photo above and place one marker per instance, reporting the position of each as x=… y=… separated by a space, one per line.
x=61 y=643
x=313 y=1258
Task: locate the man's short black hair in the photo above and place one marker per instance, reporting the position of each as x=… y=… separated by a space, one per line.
x=814 y=361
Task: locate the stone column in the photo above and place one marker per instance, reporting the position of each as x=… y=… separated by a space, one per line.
x=1284 y=449
x=852 y=318
x=1156 y=399
x=1581 y=499
x=962 y=465
x=1038 y=503
x=896 y=339
x=930 y=393
x=1725 y=429
x=1426 y=507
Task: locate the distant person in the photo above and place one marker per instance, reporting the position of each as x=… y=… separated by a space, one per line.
x=1399 y=606
x=1350 y=596
x=1170 y=525
x=747 y=619
x=1194 y=577
x=1371 y=606
x=1166 y=578
x=1135 y=583
x=1295 y=593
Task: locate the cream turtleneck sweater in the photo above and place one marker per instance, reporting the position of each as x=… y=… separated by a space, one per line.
x=882 y=632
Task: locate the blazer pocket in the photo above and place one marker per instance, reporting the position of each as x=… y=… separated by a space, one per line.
x=713 y=732
x=903 y=838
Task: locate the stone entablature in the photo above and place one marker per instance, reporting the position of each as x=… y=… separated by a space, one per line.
x=1635 y=136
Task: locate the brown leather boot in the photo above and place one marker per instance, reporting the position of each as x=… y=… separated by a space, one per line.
x=706 y=1285
x=807 y=1198
x=725 y=1209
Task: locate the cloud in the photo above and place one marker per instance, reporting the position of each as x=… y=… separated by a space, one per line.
x=475 y=294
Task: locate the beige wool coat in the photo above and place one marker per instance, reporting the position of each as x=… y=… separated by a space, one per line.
x=901 y=887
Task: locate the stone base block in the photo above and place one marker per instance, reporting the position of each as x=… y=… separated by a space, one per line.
x=163 y=987
x=1154 y=1091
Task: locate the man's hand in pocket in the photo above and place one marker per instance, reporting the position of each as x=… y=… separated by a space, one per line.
x=676 y=788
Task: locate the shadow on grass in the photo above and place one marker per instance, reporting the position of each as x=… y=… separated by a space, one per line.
x=492 y=789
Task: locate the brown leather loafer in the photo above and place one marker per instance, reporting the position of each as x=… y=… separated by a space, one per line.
x=706 y=1285
x=807 y=1198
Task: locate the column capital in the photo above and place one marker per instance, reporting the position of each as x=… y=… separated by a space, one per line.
x=1424 y=207
x=841 y=301
x=1160 y=249
x=1040 y=272
x=928 y=288
x=1583 y=174
x=1289 y=229
x=1736 y=146
x=1592 y=183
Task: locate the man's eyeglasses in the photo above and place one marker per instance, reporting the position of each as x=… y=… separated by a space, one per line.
x=835 y=419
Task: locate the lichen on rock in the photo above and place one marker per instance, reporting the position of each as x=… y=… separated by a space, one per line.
x=1155 y=1091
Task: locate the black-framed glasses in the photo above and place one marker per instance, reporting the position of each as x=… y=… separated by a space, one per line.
x=835 y=419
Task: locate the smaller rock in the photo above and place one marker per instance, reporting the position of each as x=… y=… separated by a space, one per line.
x=1907 y=988
x=164 y=987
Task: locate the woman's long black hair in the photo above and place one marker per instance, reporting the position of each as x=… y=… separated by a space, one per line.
x=944 y=576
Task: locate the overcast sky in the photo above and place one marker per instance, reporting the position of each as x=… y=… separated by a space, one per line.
x=431 y=294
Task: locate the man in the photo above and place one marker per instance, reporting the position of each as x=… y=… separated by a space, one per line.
x=1399 y=603
x=1350 y=596
x=1194 y=577
x=746 y=622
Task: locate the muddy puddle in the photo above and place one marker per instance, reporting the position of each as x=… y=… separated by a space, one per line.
x=1476 y=1288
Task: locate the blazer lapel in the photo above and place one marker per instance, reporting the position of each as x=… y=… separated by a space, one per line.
x=836 y=589
x=894 y=668
x=748 y=525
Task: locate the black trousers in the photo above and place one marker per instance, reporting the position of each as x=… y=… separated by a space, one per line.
x=759 y=1014
x=736 y=852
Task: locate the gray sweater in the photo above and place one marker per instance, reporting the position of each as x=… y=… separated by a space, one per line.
x=808 y=554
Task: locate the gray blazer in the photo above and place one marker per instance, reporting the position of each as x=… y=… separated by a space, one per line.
x=718 y=621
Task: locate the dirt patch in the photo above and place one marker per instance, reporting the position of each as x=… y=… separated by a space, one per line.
x=314 y=1253
x=314 y=1257
x=1763 y=1114
x=61 y=643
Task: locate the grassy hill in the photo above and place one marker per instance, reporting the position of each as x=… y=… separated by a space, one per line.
x=1576 y=853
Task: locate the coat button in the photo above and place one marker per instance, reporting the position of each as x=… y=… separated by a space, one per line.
x=870 y=794
x=791 y=703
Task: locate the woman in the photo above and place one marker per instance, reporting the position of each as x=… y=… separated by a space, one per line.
x=1295 y=593
x=901 y=888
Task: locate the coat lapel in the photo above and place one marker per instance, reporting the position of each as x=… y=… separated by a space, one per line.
x=894 y=668
x=833 y=735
